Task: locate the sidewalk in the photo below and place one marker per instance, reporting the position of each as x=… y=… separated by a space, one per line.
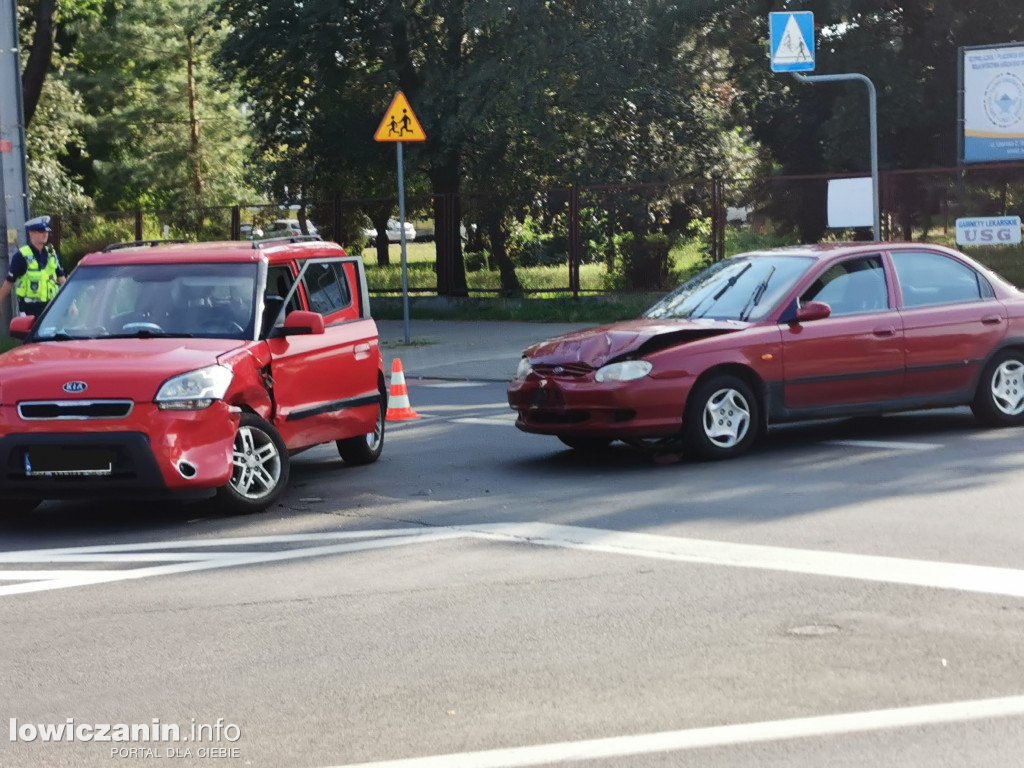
x=479 y=350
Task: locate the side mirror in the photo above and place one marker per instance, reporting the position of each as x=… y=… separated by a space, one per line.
x=22 y=326
x=301 y=323
x=812 y=310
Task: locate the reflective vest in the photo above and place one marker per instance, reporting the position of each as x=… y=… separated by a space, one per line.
x=38 y=283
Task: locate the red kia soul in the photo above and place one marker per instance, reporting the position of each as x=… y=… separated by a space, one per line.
x=191 y=370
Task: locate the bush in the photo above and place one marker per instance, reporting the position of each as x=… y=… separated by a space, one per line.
x=644 y=264
x=530 y=247
x=476 y=261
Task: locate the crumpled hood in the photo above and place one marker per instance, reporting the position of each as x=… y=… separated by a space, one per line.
x=110 y=368
x=597 y=346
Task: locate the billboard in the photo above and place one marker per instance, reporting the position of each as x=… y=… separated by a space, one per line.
x=992 y=103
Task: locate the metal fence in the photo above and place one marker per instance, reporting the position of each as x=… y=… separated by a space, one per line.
x=578 y=240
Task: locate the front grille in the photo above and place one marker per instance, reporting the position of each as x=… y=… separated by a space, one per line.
x=55 y=410
x=564 y=370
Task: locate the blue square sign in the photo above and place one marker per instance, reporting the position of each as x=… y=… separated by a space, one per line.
x=792 y=39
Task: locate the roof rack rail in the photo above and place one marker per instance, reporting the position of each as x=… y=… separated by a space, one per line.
x=139 y=243
x=286 y=239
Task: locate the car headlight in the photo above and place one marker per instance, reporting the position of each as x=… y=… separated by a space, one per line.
x=624 y=371
x=194 y=390
x=524 y=368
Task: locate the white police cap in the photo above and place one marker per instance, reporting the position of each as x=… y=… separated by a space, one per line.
x=38 y=224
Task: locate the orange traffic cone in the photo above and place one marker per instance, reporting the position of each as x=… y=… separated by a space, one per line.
x=399 y=407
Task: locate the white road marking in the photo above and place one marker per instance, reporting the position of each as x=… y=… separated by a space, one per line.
x=884 y=445
x=718 y=736
x=454 y=384
x=891 y=570
x=48 y=580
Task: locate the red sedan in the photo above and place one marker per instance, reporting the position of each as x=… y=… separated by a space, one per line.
x=785 y=335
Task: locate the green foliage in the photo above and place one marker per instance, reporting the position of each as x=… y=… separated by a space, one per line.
x=57 y=129
x=167 y=131
x=530 y=246
x=644 y=264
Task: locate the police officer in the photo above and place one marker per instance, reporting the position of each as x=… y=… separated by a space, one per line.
x=35 y=272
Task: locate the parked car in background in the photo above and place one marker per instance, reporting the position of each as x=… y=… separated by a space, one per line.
x=785 y=335
x=191 y=370
x=395 y=232
x=279 y=227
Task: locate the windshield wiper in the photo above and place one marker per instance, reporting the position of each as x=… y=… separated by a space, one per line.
x=721 y=291
x=756 y=297
x=61 y=336
x=145 y=333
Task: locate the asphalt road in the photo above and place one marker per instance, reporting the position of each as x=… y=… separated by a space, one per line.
x=849 y=593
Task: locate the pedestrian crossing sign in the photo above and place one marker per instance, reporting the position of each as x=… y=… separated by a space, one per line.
x=400 y=123
x=792 y=41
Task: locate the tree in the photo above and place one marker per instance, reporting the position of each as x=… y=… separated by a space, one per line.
x=55 y=119
x=908 y=49
x=506 y=93
x=169 y=133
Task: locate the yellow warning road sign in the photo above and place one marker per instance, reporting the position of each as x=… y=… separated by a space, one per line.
x=400 y=123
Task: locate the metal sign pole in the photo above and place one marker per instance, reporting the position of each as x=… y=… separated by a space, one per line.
x=872 y=127
x=401 y=226
x=400 y=125
x=14 y=178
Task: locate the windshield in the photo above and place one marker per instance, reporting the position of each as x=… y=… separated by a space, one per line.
x=740 y=288
x=146 y=300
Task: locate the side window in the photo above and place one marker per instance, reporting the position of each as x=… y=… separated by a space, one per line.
x=279 y=282
x=851 y=287
x=327 y=288
x=931 y=278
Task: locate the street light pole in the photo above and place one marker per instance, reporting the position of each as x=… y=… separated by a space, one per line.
x=872 y=127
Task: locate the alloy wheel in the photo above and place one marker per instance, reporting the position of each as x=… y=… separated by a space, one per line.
x=257 y=463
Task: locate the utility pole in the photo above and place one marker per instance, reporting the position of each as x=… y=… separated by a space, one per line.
x=14 y=178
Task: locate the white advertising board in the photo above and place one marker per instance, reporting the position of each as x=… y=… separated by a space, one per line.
x=988 y=230
x=850 y=203
x=993 y=103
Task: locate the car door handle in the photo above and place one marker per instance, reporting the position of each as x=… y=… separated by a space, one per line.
x=884 y=333
x=991 y=320
x=362 y=351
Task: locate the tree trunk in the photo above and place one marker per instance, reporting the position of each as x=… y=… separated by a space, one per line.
x=193 y=123
x=451 y=269
x=510 y=285
x=39 y=56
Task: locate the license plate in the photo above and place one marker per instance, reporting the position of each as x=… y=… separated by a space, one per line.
x=547 y=397
x=57 y=461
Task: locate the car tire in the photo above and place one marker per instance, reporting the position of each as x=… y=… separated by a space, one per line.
x=20 y=507
x=260 y=467
x=585 y=443
x=722 y=418
x=366 y=449
x=999 y=401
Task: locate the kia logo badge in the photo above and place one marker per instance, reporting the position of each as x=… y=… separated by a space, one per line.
x=74 y=387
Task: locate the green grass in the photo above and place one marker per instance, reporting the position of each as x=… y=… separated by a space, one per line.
x=586 y=309
x=1006 y=260
x=553 y=280
x=6 y=343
